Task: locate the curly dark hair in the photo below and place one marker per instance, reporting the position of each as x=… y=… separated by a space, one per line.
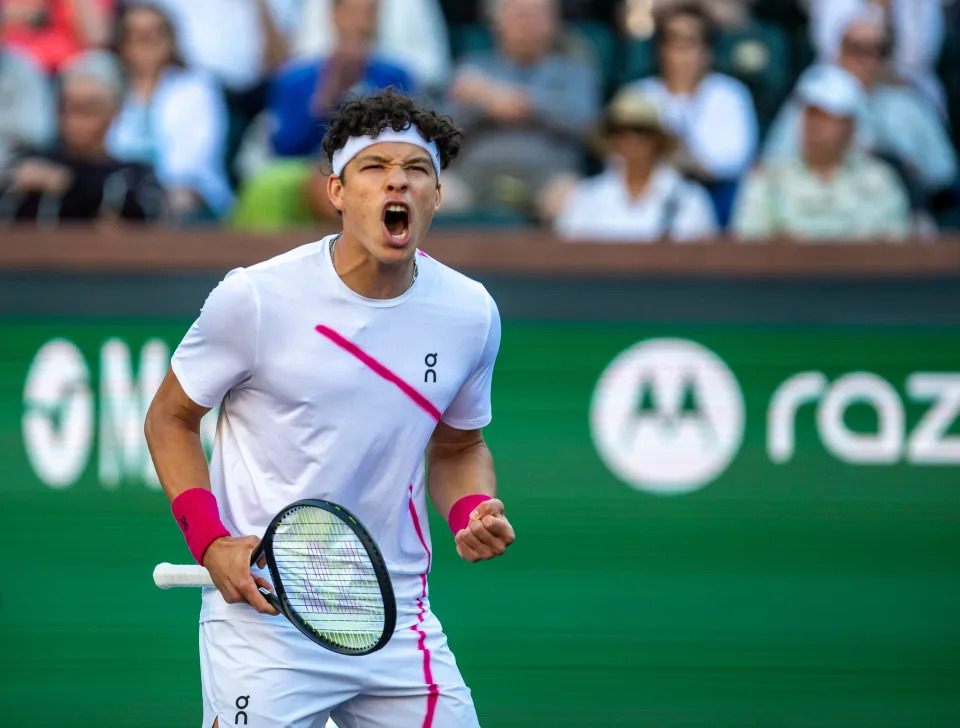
x=370 y=115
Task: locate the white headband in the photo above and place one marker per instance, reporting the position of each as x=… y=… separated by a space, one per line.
x=355 y=145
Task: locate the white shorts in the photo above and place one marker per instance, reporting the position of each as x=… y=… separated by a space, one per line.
x=266 y=674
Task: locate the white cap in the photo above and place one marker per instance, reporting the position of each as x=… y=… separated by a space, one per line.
x=831 y=88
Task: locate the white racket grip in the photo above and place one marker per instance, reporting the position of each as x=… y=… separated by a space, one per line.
x=167 y=575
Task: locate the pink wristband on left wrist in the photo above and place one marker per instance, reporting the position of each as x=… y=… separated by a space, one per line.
x=460 y=513
x=197 y=515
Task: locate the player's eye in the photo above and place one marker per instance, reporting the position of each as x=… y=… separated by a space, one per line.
x=419 y=168
x=372 y=166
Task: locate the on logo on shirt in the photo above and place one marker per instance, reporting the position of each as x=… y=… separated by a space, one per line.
x=431 y=361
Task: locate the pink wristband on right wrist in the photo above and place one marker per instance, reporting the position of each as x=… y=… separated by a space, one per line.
x=459 y=515
x=197 y=515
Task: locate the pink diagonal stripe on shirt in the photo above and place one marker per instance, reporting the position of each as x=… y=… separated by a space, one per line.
x=348 y=346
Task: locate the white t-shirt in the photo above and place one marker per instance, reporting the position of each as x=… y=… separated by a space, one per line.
x=327 y=394
x=600 y=208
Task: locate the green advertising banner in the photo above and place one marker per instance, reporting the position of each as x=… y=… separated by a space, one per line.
x=753 y=527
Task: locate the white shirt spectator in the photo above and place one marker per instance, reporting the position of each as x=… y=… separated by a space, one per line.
x=412 y=35
x=226 y=38
x=27 y=112
x=918 y=33
x=717 y=123
x=181 y=131
x=600 y=208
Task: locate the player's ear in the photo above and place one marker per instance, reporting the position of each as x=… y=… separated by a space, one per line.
x=335 y=191
x=439 y=197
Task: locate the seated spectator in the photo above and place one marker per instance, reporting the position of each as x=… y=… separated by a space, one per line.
x=409 y=33
x=897 y=122
x=640 y=197
x=525 y=108
x=54 y=31
x=78 y=180
x=917 y=32
x=831 y=190
x=172 y=117
x=713 y=114
x=303 y=94
x=26 y=114
x=239 y=42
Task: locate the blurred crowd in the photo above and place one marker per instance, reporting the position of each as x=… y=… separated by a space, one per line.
x=625 y=120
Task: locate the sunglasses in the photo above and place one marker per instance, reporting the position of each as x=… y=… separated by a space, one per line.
x=871 y=50
x=682 y=40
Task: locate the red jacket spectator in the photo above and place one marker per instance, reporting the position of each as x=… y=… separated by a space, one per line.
x=54 y=31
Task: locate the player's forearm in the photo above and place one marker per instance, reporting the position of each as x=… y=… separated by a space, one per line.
x=177 y=453
x=455 y=472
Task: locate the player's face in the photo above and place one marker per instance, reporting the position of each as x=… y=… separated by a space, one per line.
x=388 y=199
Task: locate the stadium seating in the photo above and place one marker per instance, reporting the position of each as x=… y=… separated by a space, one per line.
x=949 y=71
x=492 y=216
x=759 y=56
x=595 y=36
x=602 y=43
x=949 y=220
x=639 y=59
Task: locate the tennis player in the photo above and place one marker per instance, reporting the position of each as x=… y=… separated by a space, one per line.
x=344 y=368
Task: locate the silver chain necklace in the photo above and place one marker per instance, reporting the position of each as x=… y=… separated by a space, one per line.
x=416 y=268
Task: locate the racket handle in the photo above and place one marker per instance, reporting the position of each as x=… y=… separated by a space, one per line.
x=167 y=575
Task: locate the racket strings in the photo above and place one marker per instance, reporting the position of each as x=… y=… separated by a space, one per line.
x=328 y=577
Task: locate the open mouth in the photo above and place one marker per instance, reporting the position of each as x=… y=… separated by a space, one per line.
x=396 y=222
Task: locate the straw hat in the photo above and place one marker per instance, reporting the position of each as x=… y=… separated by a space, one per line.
x=630 y=109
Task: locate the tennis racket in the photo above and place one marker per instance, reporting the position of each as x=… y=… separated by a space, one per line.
x=329 y=577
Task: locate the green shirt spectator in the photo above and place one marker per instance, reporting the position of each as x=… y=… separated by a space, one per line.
x=828 y=191
x=862 y=198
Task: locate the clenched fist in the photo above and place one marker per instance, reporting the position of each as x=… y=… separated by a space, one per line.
x=487 y=534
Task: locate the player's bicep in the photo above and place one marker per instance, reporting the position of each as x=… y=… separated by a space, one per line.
x=172 y=403
x=447 y=440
